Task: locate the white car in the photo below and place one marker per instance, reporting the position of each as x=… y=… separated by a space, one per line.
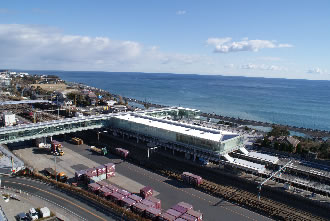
x=33 y=214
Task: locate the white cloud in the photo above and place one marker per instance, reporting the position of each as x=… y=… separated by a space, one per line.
x=226 y=45
x=264 y=67
x=317 y=70
x=42 y=47
x=181 y=12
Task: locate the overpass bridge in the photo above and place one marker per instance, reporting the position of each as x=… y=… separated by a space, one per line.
x=70 y=125
x=50 y=128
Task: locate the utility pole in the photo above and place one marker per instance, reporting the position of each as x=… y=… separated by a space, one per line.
x=266 y=180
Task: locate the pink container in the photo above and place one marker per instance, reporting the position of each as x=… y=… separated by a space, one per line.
x=93 y=171
x=104 y=192
x=116 y=197
x=166 y=217
x=157 y=202
x=112 y=188
x=185 y=205
x=110 y=174
x=123 y=192
x=146 y=192
x=189 y=217
x=180 y=209
x=101 y=170
x=103 y=184
x=94 y=187
x=139 y=208
x=122 y=152
x=196 y=214
x=152 y=213
x=148 y=203
x=174 y=213
x=110 y=167
x=127 y=202
x=135 y=197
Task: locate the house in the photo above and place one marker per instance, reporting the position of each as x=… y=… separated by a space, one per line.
x=110 y=103
x=291 y=140
x=288 y=140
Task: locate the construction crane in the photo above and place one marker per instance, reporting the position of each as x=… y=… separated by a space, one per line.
x=266 y=180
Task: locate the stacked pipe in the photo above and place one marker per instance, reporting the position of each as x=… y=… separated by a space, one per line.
x=96 y=174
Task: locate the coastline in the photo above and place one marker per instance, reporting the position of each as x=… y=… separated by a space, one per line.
x=307 y=131
x=313 y=133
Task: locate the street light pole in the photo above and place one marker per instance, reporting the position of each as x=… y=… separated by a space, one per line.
x=55 y=169
x=154 y=148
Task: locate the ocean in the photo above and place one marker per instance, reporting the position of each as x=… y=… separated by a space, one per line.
x=301 y=103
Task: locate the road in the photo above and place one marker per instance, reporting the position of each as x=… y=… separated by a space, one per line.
x=171 y=191
x=81 y=208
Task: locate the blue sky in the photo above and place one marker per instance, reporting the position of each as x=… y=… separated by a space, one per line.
x=287 y=39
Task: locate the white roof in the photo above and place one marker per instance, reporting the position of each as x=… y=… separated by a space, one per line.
x=264 y=157
x=187 y=129
x=249 y=165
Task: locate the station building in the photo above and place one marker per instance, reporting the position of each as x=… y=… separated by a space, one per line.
x=161 y=127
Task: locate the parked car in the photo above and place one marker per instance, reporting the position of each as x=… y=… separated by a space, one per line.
x=33 y=214
x=22 y=217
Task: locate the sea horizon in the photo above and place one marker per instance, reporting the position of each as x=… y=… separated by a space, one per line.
x=142 y=72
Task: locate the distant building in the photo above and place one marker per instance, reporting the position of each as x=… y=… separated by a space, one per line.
x=289 y=140
x=110 y=103
x=119 y=108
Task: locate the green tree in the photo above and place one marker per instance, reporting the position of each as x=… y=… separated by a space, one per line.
x=278 y=131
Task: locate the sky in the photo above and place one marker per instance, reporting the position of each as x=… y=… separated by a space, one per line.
x=257 y=38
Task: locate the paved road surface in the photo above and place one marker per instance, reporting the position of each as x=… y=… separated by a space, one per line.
x=172 y=192
x=79 y=207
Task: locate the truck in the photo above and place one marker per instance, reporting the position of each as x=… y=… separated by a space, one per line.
x=77 y=141
x=122 y=152
x=50 y=173
x=56 y=148
x=103 y=151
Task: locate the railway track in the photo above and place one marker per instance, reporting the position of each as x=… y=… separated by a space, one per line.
x=222 y=188
x=244 y=198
